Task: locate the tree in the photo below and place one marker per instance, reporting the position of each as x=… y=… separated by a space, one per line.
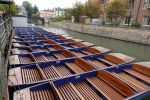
x=35 y=9
x=116 y=9
x=28 y=7
x=68 y=13
x=92 y=9
x=13 y=8
x=77 y=11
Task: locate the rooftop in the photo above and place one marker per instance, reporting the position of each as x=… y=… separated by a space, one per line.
x=6 y=1
x=58 y=9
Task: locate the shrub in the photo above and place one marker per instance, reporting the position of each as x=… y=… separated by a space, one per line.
x=136 y=25
x=60 y=18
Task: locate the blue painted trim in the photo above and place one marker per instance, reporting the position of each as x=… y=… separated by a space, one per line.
x=74 y=78
x=119 y=68
x=139 y=96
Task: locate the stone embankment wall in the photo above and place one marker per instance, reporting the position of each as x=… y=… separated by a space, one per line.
x=132 y=35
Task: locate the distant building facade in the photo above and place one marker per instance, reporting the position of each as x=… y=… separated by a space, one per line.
x=58 y=12
x=22 y=11
x=47 y=15
x=139 y=11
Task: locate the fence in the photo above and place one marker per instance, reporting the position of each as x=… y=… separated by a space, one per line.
x=5 y=32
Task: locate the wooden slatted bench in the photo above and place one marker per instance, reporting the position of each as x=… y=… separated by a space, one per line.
x=50 y=72
x=86 y=91
x=110 y=86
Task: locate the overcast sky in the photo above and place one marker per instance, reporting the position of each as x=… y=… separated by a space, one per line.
x=50 y=4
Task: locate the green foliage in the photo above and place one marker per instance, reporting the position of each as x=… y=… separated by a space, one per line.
x=13 y=8
x=116 y=9
x=60 y=18
x=35 y=9
x=68 y=13
x=92 y=10
x=30 y=9
x=77 y=11
x=136 y=25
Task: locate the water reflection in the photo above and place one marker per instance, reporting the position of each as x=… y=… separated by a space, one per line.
x=139 y=51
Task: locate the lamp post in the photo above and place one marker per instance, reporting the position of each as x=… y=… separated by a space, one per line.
x=104 y=1
x=129 y=17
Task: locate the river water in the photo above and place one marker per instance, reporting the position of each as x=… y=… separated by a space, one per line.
x=139 y=51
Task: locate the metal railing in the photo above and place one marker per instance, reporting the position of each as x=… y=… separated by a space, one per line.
x=5 y=32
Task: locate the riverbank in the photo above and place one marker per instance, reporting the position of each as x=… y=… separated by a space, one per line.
x=132 y=35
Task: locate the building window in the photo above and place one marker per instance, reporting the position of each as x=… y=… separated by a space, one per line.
x=146 y=3
x=103 y=1
x=132 y=4
x=147 y=20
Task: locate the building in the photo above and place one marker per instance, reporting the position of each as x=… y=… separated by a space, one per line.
x=139 y=11
x=58 y=12
x=22 y=10
x=47 y=15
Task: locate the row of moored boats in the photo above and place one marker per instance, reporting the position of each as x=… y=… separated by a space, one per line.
x=50 y=66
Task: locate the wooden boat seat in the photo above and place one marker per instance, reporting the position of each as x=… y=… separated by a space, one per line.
x=51 y=49
x=143 y=67
x=106 y=61
x=14 y=60
x=51 y=73
x=44 y=50
x=74 y=46
x=93 y=50
x=87 y=52
x=36 y=50
x=50 y=57
x=68 y=47
x=27 y=94
x=75 y=67
x=24 y=51
x=42 y=95
x=98 y=49
x=79 y=54
x=71 y=39
x=40 y=58
x=106 y=90
x=96 y=64
x=63 y=71
x=138 y=75
x=18 y=45
x=132 y=82
x=51 y=42
x=69 y=92
x=118 y=58
x=110 y=86
x=30 y=75
x=83 y=64
x=86 y=91
x=85 y=44
x=59 y=56
x=26 y=60
x=24 y=75
x=67 y=53
x=55 y=47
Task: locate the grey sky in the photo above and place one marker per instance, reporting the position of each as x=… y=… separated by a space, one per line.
x=45 y=4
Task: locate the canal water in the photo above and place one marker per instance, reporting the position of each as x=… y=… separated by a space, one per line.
x=139 y=51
